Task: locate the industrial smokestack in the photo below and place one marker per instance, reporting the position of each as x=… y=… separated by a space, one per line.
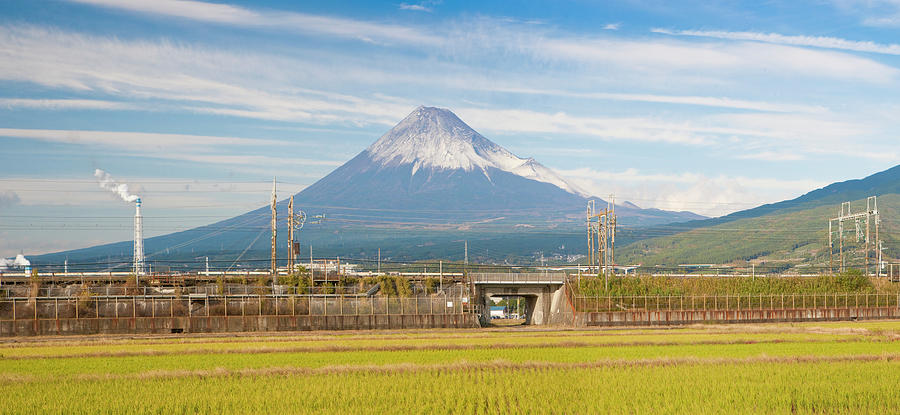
x=138 y=239
x=121 y=190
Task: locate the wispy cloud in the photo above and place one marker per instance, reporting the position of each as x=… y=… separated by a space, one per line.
x=821 y=133
x=8 y=199
x=612 y=26
x=484 y=36
x=294 y=22
x=776 y=38
x=65 y=104
x=877 y=13
x=889 y=21
x=194 y=148
x=772 y=156
x=699 y=193
x=136 y=141
x=634 y=129
x=719 y=102
x=230 y=83
x=419 y=7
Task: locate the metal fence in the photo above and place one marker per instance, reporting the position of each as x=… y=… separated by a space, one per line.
x=518 y=277
x=144 y=291
x=199 y=305
x=733 y=302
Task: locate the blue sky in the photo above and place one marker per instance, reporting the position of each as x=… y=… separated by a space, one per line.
x=704 y=106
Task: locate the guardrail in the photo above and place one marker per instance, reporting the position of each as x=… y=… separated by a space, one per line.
x=518 y=278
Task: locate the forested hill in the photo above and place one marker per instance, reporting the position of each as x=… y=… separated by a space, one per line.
x=791 y=233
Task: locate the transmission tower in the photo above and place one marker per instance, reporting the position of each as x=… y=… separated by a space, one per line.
x=868 y=218
x=601 y=226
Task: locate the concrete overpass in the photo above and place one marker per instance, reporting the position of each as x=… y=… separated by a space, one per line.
x=544 y=294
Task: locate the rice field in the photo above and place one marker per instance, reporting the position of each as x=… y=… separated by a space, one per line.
x=800 y=368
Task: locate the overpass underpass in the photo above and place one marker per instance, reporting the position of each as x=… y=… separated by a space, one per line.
x=544 y=294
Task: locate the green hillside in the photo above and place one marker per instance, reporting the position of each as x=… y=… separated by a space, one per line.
x=783 y=239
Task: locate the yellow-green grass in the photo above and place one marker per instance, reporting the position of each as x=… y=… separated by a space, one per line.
x=810 y=367
x=120 y=349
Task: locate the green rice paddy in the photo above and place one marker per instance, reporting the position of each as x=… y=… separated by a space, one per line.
x=805 y=368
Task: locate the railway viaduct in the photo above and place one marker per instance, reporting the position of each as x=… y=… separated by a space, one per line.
x=544 y=294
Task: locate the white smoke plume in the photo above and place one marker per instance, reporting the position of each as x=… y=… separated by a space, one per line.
x=120 y=189
x=21 y=261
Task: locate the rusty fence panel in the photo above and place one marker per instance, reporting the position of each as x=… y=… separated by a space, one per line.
x=734 y=302
x=201 y=305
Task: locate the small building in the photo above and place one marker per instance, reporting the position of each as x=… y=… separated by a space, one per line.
x=498 y=311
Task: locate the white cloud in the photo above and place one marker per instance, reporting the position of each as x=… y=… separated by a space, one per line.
x=240 y=84
x=612 y=26
x=698 y=193
x=773 y=156
x=483 y=36
x=719 y=102
x=195 y=148
x=136 y=141
x=281 y=20
x=155 y=191
x=834 y=134
x=776 y=38
x=879 y=13
x=889 y=21
x=256 y=160
x=668 y=57
x=268 y=87
x=820 y=133
x=414 y=7
x=64 y=104
x=638 y=129
x=9 y=198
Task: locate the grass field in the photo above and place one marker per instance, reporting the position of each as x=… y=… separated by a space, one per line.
x=806 y=368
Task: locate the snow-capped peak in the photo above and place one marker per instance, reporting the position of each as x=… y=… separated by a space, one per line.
x=436 y=138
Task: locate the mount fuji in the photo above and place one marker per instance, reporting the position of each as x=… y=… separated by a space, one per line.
x=432 y=160
x=431 y=178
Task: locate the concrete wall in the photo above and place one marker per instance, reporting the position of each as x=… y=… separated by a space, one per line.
x=219 y=324
x=630 y=318
x=546 y=304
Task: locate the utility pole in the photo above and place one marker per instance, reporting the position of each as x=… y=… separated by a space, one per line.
x=290 y=259
x=295 y=223
x=590 y=234
x=379 y=261
x=466 y=270
x=274 y=236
